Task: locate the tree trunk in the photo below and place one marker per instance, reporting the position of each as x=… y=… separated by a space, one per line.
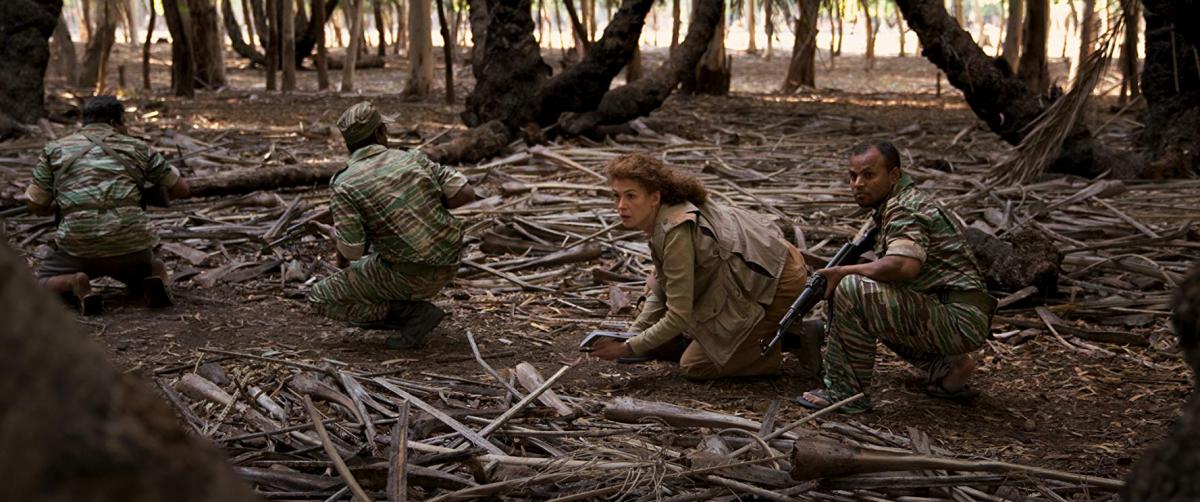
x=1088 y=28
x=447 y=52
x=183 y=69
x=802 y=69
x=318 y=17
x=25 y=30
x=206 y=46
x=1003 y=101
x=633 y=71
x=288 y=38
x=1033 y=70
x=958 y=14
x=129 y=9
x=273 y=46
x=248 y=18
x=146 y=47
x=578 y=31
x=1171 y=86
x=712 y=74
x=1013 y=27
x=234 y=32
x=900 y=28
x=76 y=427
x=356 y=35
x=420 y=49
x=769 y=26
x=95 y=54
x=306 y=40
x=751 y=47
x=590 y=11
x=479 y=27
x=401 y=25
x=261 y=23
x=841 y=28
x=67 y=60
x=379 y=27
x=1131 y=12
x=870 y=53
x=676 y=24
x=86 y=10
x=639 y=98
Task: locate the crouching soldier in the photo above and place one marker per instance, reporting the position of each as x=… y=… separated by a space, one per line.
x=94 y=180
x=391 y=218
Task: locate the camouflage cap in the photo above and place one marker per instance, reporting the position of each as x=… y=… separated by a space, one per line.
x=359 y=122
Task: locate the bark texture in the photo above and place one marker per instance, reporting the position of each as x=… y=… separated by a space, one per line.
x=802 y=69
x=1000 y=99
x=1171 y=85
x=75 y=428
x=183 y=68
x=1033 y=69
x=1025 y=258
x=99 y=45
x=1167 y=470
x=240 y=46
x=25 y=29
x=206 y=43
x=420 y=48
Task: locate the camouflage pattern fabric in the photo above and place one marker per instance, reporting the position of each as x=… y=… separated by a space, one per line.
x=363 y=292
x=394 y=200
x=908 y=317
x=916 y=326
x=96 y=196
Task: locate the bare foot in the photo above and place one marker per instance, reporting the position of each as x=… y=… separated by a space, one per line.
x=81 y=285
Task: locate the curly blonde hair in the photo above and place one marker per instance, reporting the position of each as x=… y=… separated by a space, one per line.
x=655 y=176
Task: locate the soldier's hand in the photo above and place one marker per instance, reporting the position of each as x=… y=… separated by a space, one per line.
x=342 y=261
x=832 y=276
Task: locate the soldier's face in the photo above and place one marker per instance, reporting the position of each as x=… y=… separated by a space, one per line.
x=637 y=206
x=870 y=181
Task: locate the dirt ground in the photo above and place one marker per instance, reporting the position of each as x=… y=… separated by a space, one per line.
x=1043 y=404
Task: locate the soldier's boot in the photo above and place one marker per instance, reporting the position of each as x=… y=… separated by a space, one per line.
x=804 y=342
x=90 y=303
x=157 y=295
x=417 y=319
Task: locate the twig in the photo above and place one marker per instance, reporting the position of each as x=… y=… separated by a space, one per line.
x=338 y=463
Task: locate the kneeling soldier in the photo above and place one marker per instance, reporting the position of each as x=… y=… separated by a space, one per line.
x=94 y=179
x=396 y=203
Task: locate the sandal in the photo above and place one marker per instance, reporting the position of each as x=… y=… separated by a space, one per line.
x=821 y=394
x=939 y=390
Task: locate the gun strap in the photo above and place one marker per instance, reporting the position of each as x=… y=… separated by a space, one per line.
x=138 y=178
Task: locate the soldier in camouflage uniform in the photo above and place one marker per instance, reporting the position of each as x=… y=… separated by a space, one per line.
x=93 y=181
x=924 y=297
x=396 y=203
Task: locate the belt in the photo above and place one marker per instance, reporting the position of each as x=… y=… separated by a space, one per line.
x=98 y=207
x=976 y=298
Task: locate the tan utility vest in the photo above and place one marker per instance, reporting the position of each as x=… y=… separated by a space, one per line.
x=739 y=258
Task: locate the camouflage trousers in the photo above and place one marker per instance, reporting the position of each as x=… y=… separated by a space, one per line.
x=364 y=291
x=918 y=327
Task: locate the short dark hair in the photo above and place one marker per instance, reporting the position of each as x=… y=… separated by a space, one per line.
x=104 y=108
x=891 y=156
x=368 y=141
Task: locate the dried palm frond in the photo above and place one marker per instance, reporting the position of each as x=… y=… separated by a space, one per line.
x=1048 y=132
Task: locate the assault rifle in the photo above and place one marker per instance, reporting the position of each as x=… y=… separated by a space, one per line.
x=814 y=289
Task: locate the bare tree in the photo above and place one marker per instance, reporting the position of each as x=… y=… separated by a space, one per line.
x=447 y=52
x=318 y=8
x=99 y=46
x=751 y=47
x=420 y=49
x=67 y=60
x=713 y=73
x=288 y=36
x=769 y=26
x=802 y=69
x=1033 y=69
x=183 y=68
x=871 y=31
x=1131 y=12
x=676 y=23
x=1088 y=28
x=1012 y=37
x=356 y=36
x=207 y=48
x=146 y=47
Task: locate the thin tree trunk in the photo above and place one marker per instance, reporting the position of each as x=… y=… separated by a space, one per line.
x=95 y=55
x=146 y=47
x=65 y=47
x=240 y=46
x=447 y=52
x=272 y=43
x=900 y=28
x=288 y=55
x=1131 y=10
x=356 y=36
x=870 y=55
x=769 y=26
x=207 y=48
x=479 y=27
x=1088 y=28
x=633 y=71
x=578 y=30
x=379 y=27
x=841 y=27
x=128 y=8
x=1033 y=69
x=261 y=23
x=958 y=13
x=400 y=40
x=86 y=6
x=248 y=19
x=318 y=8
x=751 y=47
x=337 y=25
x=802 y=69
x=183 y=69
x=1014 y=25
x=676 y=23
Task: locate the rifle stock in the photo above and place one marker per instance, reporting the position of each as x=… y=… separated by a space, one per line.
x=814 y=289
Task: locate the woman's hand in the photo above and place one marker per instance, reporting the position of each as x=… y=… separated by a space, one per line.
x=611 y=350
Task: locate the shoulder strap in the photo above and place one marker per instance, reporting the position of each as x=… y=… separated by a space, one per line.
x=67 y=163
x=133 y=172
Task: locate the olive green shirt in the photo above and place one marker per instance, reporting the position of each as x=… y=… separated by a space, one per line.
x=661 y=321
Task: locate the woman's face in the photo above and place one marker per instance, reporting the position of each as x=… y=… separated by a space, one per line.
x=638 y=207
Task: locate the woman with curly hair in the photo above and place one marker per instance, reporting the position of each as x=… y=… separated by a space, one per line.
x=723 y=276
